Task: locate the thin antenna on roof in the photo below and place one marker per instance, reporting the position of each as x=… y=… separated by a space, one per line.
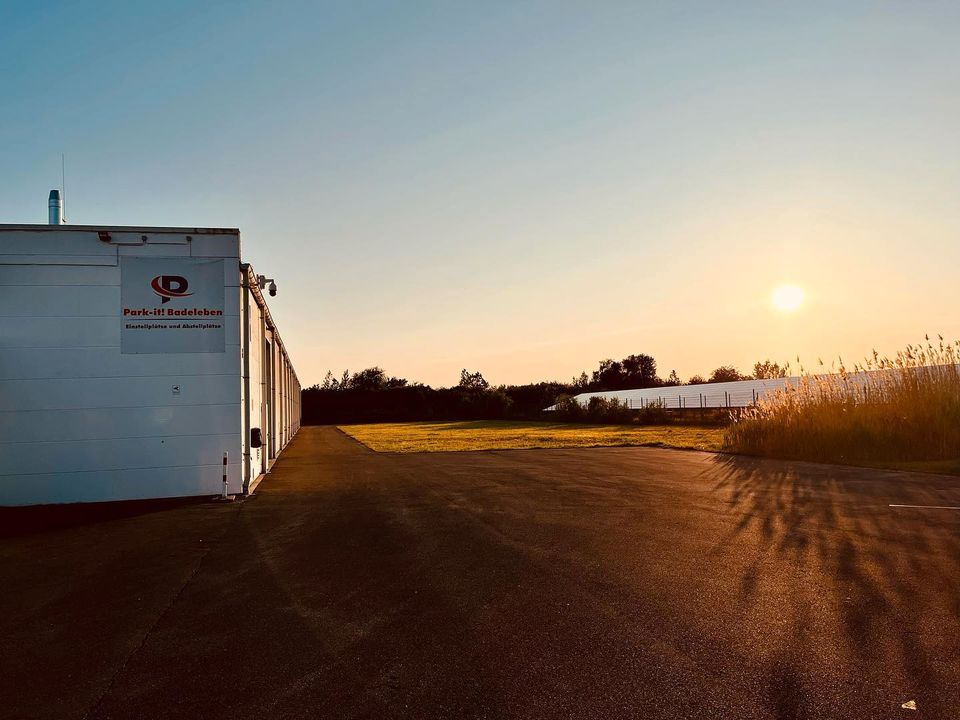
x=63 y=184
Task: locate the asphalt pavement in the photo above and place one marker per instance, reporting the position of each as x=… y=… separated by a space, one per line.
x=588 y=583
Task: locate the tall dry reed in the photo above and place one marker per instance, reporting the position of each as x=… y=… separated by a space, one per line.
x=904 y=408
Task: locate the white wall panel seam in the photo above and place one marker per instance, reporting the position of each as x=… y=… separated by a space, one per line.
x=121 y=437
x=123 y=407
x=123 y=469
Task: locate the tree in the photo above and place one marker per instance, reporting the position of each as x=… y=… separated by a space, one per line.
x=696 y=380
x=330 y=382
x=472 y=381
x=581 y=383
x=374 y=378
x=609 y=376
x=640 y=371
x=672 y=379
x=767 y=370
x=370 y=379
x=726 y=373
x=634 y=371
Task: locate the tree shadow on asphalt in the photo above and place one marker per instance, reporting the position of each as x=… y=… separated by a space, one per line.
x=887 y=570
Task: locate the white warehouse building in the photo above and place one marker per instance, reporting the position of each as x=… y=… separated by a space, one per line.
x=734 y=394
x=136 y=363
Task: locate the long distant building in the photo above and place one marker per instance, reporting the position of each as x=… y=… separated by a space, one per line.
x=745 y=393
x=742 y=393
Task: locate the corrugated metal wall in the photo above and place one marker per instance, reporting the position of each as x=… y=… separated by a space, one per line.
x=273 y=384
x=741 y=393
x=736 y=394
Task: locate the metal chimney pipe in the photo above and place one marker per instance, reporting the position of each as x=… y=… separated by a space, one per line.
x=55 y=206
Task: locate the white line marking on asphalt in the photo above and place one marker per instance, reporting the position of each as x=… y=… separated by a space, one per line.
x=930 y=507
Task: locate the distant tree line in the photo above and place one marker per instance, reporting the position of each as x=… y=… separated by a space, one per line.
x=371 y=395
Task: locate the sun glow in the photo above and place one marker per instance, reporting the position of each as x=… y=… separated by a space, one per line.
x=787 y=298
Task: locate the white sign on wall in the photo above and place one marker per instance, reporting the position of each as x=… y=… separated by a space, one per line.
x=171 y=305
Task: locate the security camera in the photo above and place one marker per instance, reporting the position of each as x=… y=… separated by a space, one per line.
x=262 y=281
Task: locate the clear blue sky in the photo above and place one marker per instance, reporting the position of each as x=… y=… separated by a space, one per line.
x=519 y=188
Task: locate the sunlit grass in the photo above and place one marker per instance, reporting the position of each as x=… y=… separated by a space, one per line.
x=894 y=412
x=515 y=435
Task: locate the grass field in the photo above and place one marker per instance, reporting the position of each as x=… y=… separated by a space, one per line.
x=414 y=437
x=898 y=412
x=513 y=435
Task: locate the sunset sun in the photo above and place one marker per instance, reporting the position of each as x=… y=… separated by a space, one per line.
x=787 y=298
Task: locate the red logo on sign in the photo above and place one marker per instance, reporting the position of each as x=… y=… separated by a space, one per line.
x=170 y=286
